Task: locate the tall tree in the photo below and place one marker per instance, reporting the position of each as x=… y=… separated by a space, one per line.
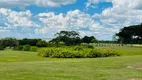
x=131 y=34
x=9 y=42
x=91 y=39
x=68 y=37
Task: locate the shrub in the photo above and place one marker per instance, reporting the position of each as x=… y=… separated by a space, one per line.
x=65 y=54
x=90 y=46
x=94 y=54
x=41 y=43
x=110 y=53
x=1 y=48
x=19 y=48
x=76 y=52
x=44 y=52
x=102 y=53
x=26 y=48
x=78 y=48
x=33 y=49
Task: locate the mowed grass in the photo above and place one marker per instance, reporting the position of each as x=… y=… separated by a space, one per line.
x=125 y=51
x=17 y=65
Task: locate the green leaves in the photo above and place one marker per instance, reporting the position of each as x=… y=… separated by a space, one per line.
x=131 y=34
x=75 y=52
x=68 y=37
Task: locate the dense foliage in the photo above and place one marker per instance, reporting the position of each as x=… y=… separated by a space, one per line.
x=91 y=39
x=131 y=34
x=31 y=42
x=72 y=38
x=34 y=49
x=75 y=52
x=1 y=48
x=18 y=48
x=8 y=42
x=26 y=48
x=68 y=37
x=41 y=43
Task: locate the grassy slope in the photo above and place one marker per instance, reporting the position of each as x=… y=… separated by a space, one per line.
x=16 y=65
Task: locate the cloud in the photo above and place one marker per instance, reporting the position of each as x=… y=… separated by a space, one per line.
x=73 y=20
x=47 y=24
x=130 y=4
x=16 y=22
x=122 y=13
x=16 y=19
x=42 y=3
x=90 y=2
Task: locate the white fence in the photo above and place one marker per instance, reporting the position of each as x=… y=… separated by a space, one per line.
x=114 y=45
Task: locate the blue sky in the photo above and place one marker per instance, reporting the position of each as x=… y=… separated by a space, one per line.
x=43 y=18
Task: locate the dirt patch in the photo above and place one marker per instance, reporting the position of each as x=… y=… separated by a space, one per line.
x=136 y=79
x=135 y=67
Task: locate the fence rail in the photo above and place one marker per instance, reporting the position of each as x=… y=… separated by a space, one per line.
x=114 y=45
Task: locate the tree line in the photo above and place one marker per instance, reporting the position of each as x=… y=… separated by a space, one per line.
x=67 y=38
x=127 y=35
x=13 y=42
x=72 y=38
x=130 y=35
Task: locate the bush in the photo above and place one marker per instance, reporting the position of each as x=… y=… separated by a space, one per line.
x=1 y=48
x=90 y=46
x=102 y=53
x=26 y=48
x=110 y=53
x=76 y=52
x=19 y=48
x=66 y=54
x=78 y=48
x=45 y=52
x=94 y=54
x=34 y=49
x=41 y=44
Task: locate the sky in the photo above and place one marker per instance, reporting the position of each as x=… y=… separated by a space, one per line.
x=44 y=18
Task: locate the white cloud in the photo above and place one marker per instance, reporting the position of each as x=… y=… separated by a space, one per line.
x=131 y=4
x=43 y=3
x=73 y=20
x=13 y=19
x=89 y=2
x=122 y=13
x=16 y=24
x=50 y=23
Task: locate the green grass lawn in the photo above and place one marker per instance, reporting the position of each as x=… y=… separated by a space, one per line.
x=16 y=65
x=125 y=51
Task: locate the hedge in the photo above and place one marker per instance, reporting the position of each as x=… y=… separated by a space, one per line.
x=76 y=52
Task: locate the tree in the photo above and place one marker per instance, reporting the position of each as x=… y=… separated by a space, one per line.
x=90 y=39
x=68 y=37
x=9 y=42
x=41 y=44
x=1 y=45
x=31 y=42
x=130 y=34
